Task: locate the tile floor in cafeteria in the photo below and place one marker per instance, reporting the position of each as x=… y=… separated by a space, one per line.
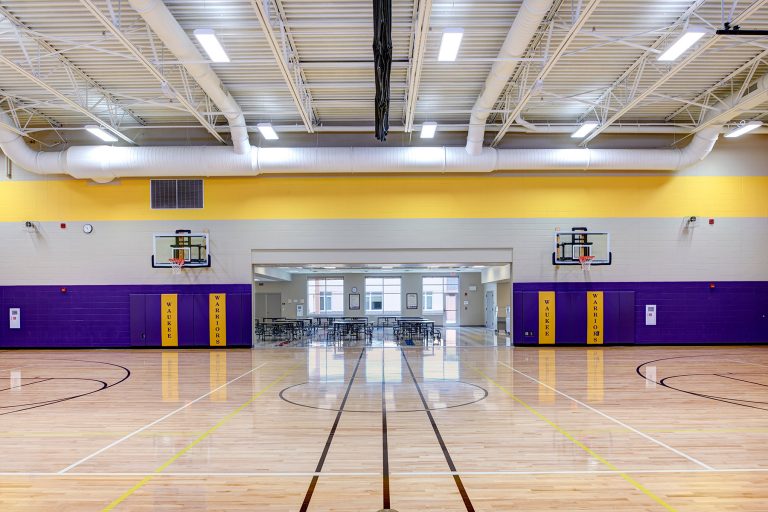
x=471 y=425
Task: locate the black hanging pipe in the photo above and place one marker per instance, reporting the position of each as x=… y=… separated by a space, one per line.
x=382 y=58
x=735 y=30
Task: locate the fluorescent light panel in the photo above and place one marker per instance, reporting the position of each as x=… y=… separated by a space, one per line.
x=211 y=45
x=428 y=130
x=741 y=130
x=449 y=46
x=101 y=133
x=267 y=131
x=583 y=130
x=684 y=42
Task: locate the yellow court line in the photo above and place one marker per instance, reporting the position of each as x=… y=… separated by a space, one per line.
x=581 y=445
x=144 y=481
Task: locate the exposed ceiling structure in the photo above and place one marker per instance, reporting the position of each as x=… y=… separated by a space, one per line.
x=307 y=66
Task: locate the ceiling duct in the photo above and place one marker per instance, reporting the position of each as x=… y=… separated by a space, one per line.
x=162 y=23
x=520 y=34
x=382 y=58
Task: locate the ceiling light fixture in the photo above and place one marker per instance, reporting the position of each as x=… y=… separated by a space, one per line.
x=583 y=130
x=745 y=128
x=428 y=130
x=210 y=43
x=449 y=46
x=101 y=133
x=685 y=41
x=267 y=131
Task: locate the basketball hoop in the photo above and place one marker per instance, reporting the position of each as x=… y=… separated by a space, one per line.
x=586 y=262
x=176 y=265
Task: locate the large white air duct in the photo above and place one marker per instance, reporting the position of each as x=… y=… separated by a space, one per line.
x=104 y=163
x=518 y=38
x=163 y=23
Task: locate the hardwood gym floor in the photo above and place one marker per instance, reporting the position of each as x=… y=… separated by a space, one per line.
x=469 y=426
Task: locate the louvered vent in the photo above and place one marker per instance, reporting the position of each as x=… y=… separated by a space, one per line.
x=172 y=194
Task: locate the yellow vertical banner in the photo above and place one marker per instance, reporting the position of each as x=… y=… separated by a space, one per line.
x=217 y=319
x=169 y=320
x=170 y=366
x=595 y=375
x=218 y=376
x=594 y=318
x=546 y=318
x=547 y=375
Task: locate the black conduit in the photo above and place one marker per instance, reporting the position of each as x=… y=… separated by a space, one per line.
x=382 y=58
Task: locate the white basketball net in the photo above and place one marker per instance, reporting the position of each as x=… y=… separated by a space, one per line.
x=586 y=262
x=176 y=265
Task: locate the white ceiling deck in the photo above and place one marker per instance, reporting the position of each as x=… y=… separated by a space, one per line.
x=61 y=69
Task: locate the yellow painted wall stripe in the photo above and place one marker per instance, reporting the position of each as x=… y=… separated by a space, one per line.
x=144 y=481
x=370 y=197
x=581 y=445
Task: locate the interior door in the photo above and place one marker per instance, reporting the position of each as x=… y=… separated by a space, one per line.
x=490 y=310
x=267 y=305
x=451 y=310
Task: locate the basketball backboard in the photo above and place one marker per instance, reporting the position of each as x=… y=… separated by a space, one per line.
x=192 y=247
x=570 y=245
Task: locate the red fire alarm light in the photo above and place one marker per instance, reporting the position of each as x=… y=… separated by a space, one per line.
x=711 y=221
x=63 y=290
x=711 y=286
x=63 y=225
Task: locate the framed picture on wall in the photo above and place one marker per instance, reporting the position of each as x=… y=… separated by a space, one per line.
x=411 y=301
x=354 y=301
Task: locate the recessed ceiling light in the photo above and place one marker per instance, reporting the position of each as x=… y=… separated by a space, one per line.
x=478 y=266
x=684 y=42
x=101 y=133
x=449 y=46
x=267 y=131
x=428 y=130
x=211 y=45
x=745 y=128
x=330 y=268
x=583 y=130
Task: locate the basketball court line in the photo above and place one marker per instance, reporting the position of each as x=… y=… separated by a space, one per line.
x=746 y=362
x=327 y=448
x=150 y=425
x=623 y=474
x=260 y=474
x=614 y=420
x=149 y=477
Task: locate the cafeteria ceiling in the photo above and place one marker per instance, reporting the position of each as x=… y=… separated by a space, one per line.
x=62 y=69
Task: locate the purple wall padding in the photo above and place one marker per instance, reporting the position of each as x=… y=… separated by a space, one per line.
x=688 y=312
x=116 y=316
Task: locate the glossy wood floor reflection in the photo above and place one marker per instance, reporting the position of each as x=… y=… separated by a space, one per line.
x=474 y=425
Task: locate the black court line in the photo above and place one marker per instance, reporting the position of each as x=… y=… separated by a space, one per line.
x=35 y=405
x=326 y=449
x=744 y=380
x=384 y=441
x=448 y=459
x=663 y=382
x=28 y=383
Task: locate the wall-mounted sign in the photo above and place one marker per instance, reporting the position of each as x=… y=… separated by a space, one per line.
x=546 y=318
x=14 y=318
x=650 y=314
x=217 y=319
x=169 y=323
x=595 y=318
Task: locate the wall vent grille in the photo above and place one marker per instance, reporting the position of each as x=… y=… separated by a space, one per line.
x=175 y=194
